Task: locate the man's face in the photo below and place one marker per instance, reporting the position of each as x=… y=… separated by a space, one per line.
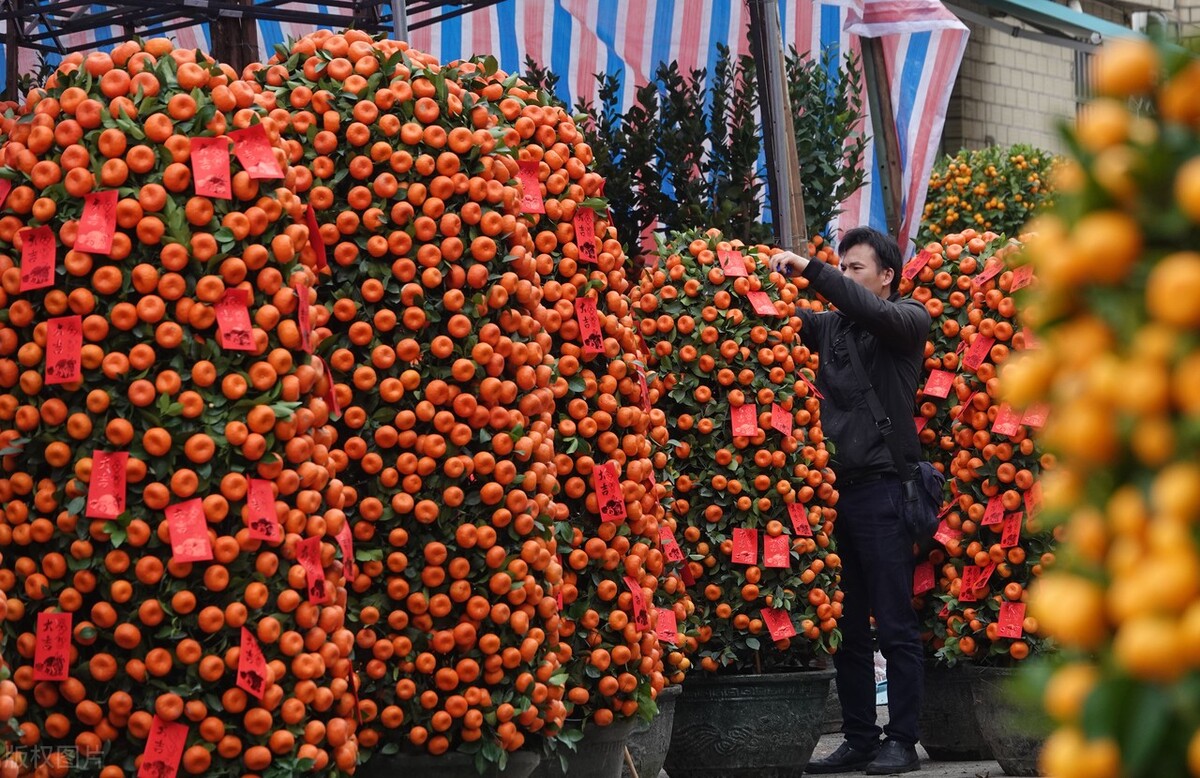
x=860 y=266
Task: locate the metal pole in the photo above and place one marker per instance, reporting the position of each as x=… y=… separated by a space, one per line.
x=883 y=124
x=399 y=20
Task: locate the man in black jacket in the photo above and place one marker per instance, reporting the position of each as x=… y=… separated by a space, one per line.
x=875 y=547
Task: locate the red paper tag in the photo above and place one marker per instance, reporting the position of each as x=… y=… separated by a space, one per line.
x=1035 y=415
x=762 y=304
x=1011 y=534
x=210 y=168
x=589 y=326
x=745 y=419
x=946 y=535
x=1021 y=277
x=1008 y=421
x=980 y=348
x=189 y=534
x=252 y=666
x=994 y=513
x=779 y=623
x=966 y=406
x=164 y=749
x=38 y=258
x=915 y=264
x=777 y=551
x=920 y=422
x=973 y=579
x=643 y=389
x=314 y=236
x=5 y=188
x=939 y=384
x=990 y=272
x=799 y=520
x=308 y=554
x=52 y=652
x=253 y=150
x=811 y=386
x=961 y=347
x=781 y=419
x=585 y=233
x=685 y=573
x=233 y=321
x=667 y=626
x=352 y=685
x=106 y=490
x=330 y=397
x=531 y=194
x=745 y=546
x=637 y=599
x=260 y=511
x=346 y=542
x=1012 y=620
x=609 y=495
x=670 y=546
x=64 y=342
x=302 y=319
x=923 y=578
x=732 y=263
x=1033 y=498
x=98 y=223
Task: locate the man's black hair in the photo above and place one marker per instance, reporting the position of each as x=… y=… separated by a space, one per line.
x=887 y=253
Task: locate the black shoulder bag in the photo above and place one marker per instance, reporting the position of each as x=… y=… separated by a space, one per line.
x=921 y=482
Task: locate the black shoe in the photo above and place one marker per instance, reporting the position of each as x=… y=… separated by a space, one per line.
x=894 y=757
x=847 y=759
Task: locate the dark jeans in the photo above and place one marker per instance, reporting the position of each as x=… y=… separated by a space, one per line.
x=877 y=576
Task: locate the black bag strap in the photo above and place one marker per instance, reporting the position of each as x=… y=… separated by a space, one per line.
x=882 y=422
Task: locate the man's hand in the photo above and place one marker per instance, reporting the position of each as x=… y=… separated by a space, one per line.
x=788 y=264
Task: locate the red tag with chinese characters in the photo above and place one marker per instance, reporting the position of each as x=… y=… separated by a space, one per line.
x=966 y=406
x=980 y=348
x=98 y=223
x=1011 y=534
x=1012 y=619
x=38 y=258
x=644 y=389
x=189 y=533
x=973 y=579
x=233 y=321
x=302 y=319
x=990 y=272
x=106 y=490
x=5 y=188
x=252 y=666
x=1035 y=415
x=308 y=554
x=1033 y=498
x=670 y=546
x=585 y=233
x=52 y=652
x=64 y=342
x=531 y=194
x=589 y=326
x=923 y=578
x=946 y=535
x=164 y=749
x=777 y=551
x=210 y=168
x=637 y=599
x=1021 y=277
x=779 y=623
x=994 y=513
x=916 y=264
x=1008 y=421
x=314 y=237
x=685 y=574
x=781 y=419
x=260 y=511
x=939 y=384
x=762 y=304
x=920 y=422
x=799 y=520
x=346 y=542
x=253 y=150
x=609 y=495
x=744 y=419
x=732 y=263
x=745 y=546
x=667 y=626
x=811 y=386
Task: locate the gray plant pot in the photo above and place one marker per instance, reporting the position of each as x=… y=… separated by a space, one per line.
x=946 y=734
x=765 y=726
x=600 y=754
x=833 y=711
x=649 y=741
x=1012 y=731
x=521 y=764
